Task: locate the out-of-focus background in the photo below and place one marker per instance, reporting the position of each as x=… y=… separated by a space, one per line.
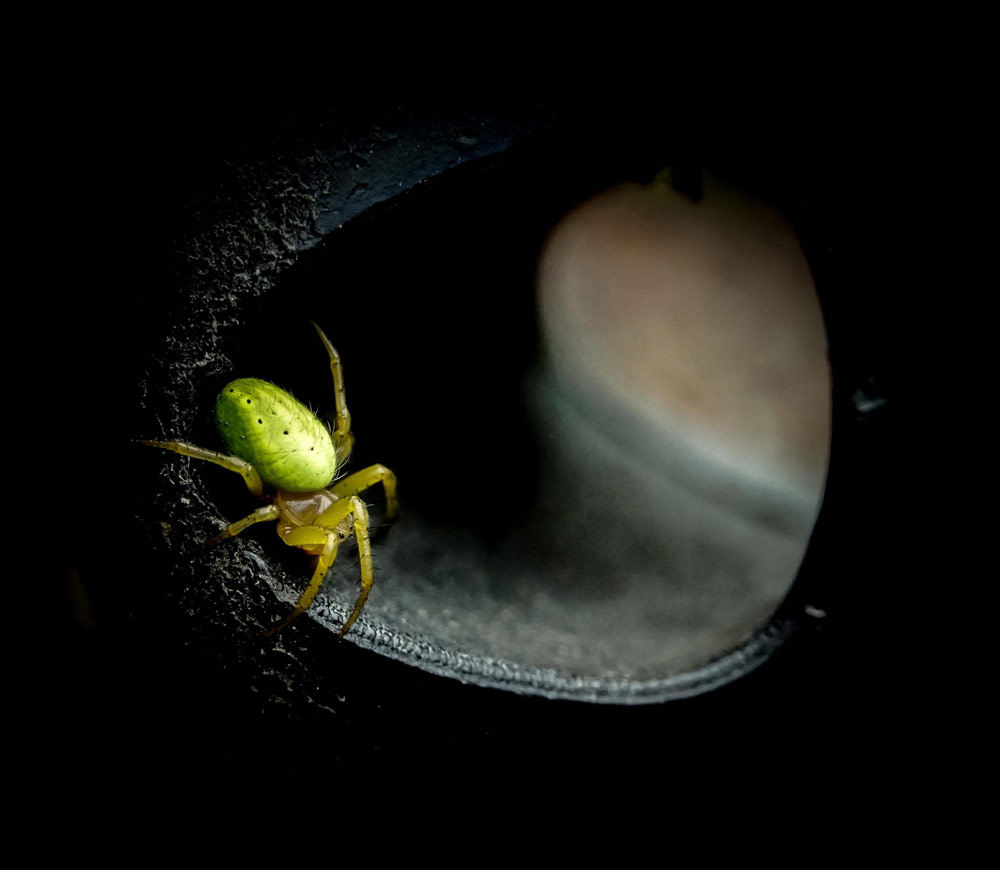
x=701 y=316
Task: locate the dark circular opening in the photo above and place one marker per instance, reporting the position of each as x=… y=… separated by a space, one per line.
x=552 y=538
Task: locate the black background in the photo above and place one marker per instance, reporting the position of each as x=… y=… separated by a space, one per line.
x=127 y=699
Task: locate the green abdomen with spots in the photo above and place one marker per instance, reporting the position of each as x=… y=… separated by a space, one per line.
x=288 y=445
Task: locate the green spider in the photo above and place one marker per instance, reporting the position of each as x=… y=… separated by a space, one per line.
x=278 y=443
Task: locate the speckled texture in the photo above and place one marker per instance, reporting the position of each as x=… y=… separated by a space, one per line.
x=273 y=431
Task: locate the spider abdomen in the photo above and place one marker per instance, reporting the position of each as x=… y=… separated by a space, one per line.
x=272 y=430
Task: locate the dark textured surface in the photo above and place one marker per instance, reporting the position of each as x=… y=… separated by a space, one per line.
x=191 y=627
x=534 y=552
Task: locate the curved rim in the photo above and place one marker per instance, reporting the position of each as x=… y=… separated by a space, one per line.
x=498 y=674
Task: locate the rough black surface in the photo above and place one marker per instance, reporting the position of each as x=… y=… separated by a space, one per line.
x=175 y=666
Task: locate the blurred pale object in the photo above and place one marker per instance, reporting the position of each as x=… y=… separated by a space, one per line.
x=700 y=317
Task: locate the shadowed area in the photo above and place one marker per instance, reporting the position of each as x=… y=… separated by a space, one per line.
x=636 y=501
x=606 y=405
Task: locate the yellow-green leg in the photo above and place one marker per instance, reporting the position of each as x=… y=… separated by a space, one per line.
x=231 y=463
x=305 y=537
x=361 y=480
x=332 y=517
x=343 y=440
x=324 y=533
x=261 y=515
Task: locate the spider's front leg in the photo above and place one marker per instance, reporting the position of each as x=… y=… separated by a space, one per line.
x=324 y=535
x=266 y=514
x=230 y=463
x=343 y=440
x=362 y=480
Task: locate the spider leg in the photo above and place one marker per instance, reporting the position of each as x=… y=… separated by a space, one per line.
x=324 y=533
x=231 y=463
x=332 y=517
x=308 y=537
x=361 y=480
x=261 y=515
x=343 y=440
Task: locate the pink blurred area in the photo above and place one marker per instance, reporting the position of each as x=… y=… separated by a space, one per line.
x=702 y=317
